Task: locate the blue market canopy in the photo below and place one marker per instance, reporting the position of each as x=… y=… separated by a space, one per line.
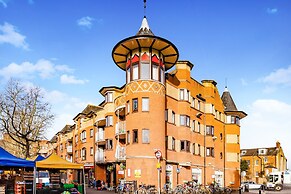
x=36 y=158
x=8 y=160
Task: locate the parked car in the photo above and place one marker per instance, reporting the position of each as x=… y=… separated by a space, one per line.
x=249 y=185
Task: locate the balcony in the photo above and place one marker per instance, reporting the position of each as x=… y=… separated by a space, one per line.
x=120 y=129
x=120 y=153
x=119 y=104
x=99 y=137
x=70 y=140
x=100 y=156
x=70 y=159
x=70 y=149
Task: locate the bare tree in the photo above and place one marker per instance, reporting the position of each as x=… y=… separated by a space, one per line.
x=24 y=115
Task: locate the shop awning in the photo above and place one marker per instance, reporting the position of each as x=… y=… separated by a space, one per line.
x=8 y=160
x=56 y=162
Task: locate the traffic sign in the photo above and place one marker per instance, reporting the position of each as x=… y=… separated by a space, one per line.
x=158 y=154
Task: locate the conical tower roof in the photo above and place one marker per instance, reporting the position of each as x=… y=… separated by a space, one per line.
x=228 y=101
x=144 y=28
x=229 y=105
x=145 y=39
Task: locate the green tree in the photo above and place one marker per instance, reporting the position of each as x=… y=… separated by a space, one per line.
x=25 y=116
x=244 y=166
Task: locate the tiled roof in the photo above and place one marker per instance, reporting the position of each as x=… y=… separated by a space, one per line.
x=90 y=108
x=54 y=139
x=66 y=129
x=272 y=151
x=228 y=101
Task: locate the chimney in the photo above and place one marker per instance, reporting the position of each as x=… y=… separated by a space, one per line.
x=278 y=145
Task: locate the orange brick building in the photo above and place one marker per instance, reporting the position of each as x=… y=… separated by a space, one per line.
x=161 y=126
x=63 y=143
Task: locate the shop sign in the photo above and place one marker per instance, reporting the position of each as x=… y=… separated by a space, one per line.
x=137 y=173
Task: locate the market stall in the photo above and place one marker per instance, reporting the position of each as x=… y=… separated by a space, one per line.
x=56 y=165
x=19 y=177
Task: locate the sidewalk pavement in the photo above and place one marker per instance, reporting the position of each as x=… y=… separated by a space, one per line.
x=95 y=191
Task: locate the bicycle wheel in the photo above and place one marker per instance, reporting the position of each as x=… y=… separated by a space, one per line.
x=188 y=191
x=179 y=190
x=153 y=191
x=228 y=190
x=141 y=191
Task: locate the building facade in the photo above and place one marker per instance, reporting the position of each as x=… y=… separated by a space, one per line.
x=161 y=126
x=40 y=147
x=262 y=161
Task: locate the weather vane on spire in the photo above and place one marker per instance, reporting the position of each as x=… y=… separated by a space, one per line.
x=144 y=7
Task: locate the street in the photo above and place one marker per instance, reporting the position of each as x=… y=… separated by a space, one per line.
x=286 y=190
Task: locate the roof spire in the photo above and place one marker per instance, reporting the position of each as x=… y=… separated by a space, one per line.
x=144 y=28
x=144 y=7
x=225 y=87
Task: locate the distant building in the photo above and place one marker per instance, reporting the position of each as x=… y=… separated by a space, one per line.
x=41 y=147
x=63 y=143
x=84 y=139
x=262 y=161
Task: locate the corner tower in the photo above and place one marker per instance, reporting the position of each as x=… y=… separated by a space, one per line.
x=145 y=58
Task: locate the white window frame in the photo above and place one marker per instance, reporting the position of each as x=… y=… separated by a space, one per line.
x=145 y=102
x=155 y=72
x=184 y=94
x=128 y=74
x=91 y=132
x=83 y=153
x=145 y=136
x=135 y=71
x=145 y=71
x=109 y=97
x=83 y=136
x=109 y=120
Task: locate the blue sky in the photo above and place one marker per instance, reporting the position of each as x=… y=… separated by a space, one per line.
x=65 y=48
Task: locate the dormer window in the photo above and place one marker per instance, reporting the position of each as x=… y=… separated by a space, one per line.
x=109 y=97
x=235 y=120
x=262 y=151
x=243 y=152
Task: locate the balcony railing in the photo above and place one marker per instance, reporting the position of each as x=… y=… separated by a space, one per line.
x=70 y=159
x=120 y=153
x=99 y=136
x=120 y=128
x=99 y=156
x=70 y=149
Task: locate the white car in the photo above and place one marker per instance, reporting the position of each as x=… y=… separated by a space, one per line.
x=251 y=185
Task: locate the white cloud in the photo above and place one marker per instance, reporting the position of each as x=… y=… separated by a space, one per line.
x=279 y=76
x=9 y=34
x=85 y=22
x=272 y=10
x=43 y=68
x=70 y=79
x=55 y=96
x=3 y=3
x=268 y=121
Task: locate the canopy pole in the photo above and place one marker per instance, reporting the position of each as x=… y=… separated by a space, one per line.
x=34 y=180
x=84 y=181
